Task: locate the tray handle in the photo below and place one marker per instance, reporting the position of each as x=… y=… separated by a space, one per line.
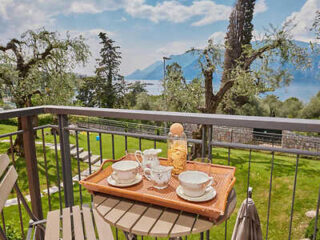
x=82 y=181
x=107 y=161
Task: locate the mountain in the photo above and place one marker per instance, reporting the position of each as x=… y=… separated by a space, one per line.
x=303 y=84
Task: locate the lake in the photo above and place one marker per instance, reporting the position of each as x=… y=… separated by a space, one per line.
x=302 y=91
x=154 y=87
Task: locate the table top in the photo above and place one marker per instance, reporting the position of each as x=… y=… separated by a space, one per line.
x=150 y=220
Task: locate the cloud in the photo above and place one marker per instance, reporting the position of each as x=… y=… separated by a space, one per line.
x=218 y=37
x=303 y=20
x=81 y=7
x=175 y=11
x=260 y=7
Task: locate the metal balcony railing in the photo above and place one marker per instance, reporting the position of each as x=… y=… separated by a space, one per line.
x=50 y=176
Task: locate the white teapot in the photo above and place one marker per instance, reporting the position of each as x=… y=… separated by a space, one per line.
x=149 y=157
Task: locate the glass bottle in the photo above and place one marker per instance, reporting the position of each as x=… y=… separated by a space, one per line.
x=177 y=148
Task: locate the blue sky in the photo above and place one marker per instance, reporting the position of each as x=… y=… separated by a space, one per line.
x=146 y=30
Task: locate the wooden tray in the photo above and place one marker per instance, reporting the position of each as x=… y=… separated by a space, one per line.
x=224 y=180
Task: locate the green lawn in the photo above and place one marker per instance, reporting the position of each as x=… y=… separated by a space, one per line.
x=283 y=178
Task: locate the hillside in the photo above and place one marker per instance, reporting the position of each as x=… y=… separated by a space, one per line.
x=308 y=81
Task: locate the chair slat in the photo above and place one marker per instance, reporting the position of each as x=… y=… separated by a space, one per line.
x=66 y=224
x=53 y=225
x=104 y=229
x=88 y=224
x=6 y=185
x=4 y=163
x=77 y=222
x=164 y=224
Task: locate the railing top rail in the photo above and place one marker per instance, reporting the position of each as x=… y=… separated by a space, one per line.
x=21 y=112
x=303 y=125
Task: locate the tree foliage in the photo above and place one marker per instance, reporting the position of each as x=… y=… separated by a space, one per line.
x=39 y=63
x=291 y=108
x=312 y=109
x=179 y=95
x=108 y=87
x=134 y=90
x=248 y=70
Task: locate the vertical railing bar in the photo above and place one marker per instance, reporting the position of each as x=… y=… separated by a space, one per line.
x=46 y=167
x=89 y=159
x=209 y=144
x=3 y=223
x=100 y=146
x=293 y=196
x=78 y=165
x=316 y=218
x=18 y=199
x=20 y=218
x=89 y=152
x=126 y=143
x=203 y=153
x=112 y=139
x=248 y=180
x=208 y=234
x=140 y=143
x=202 y=159
x=154 y=144
x=210 y=159
x=12 y=150
x=66 y=160
x=57 y=166
x=269 y=199
x=226 y=222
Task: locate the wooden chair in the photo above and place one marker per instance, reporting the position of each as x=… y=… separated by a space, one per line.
x=75 y=223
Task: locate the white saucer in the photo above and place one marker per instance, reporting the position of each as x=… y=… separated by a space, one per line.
x=209 y=194
x=112 y=182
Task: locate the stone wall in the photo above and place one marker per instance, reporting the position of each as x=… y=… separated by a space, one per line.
x=292 y=140
x=235 y=135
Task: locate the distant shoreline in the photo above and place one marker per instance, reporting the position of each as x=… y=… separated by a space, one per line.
x=298 y=90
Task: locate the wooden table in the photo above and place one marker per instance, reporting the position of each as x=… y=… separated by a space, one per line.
x=137 y=218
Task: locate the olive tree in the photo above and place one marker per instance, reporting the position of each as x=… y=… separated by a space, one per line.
x=39 y=64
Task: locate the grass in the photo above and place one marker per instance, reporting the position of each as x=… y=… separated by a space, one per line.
x=282 y=187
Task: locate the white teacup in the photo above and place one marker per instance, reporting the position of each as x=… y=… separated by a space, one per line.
x=125 y=171
x=195 y=183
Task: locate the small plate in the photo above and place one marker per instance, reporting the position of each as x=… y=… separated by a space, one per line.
x=209 y=194
x=112 y=182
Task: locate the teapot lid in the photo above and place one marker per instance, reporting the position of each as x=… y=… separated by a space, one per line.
x=152 y=151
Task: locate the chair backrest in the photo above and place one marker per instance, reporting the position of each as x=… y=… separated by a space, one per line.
x=9 y=177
